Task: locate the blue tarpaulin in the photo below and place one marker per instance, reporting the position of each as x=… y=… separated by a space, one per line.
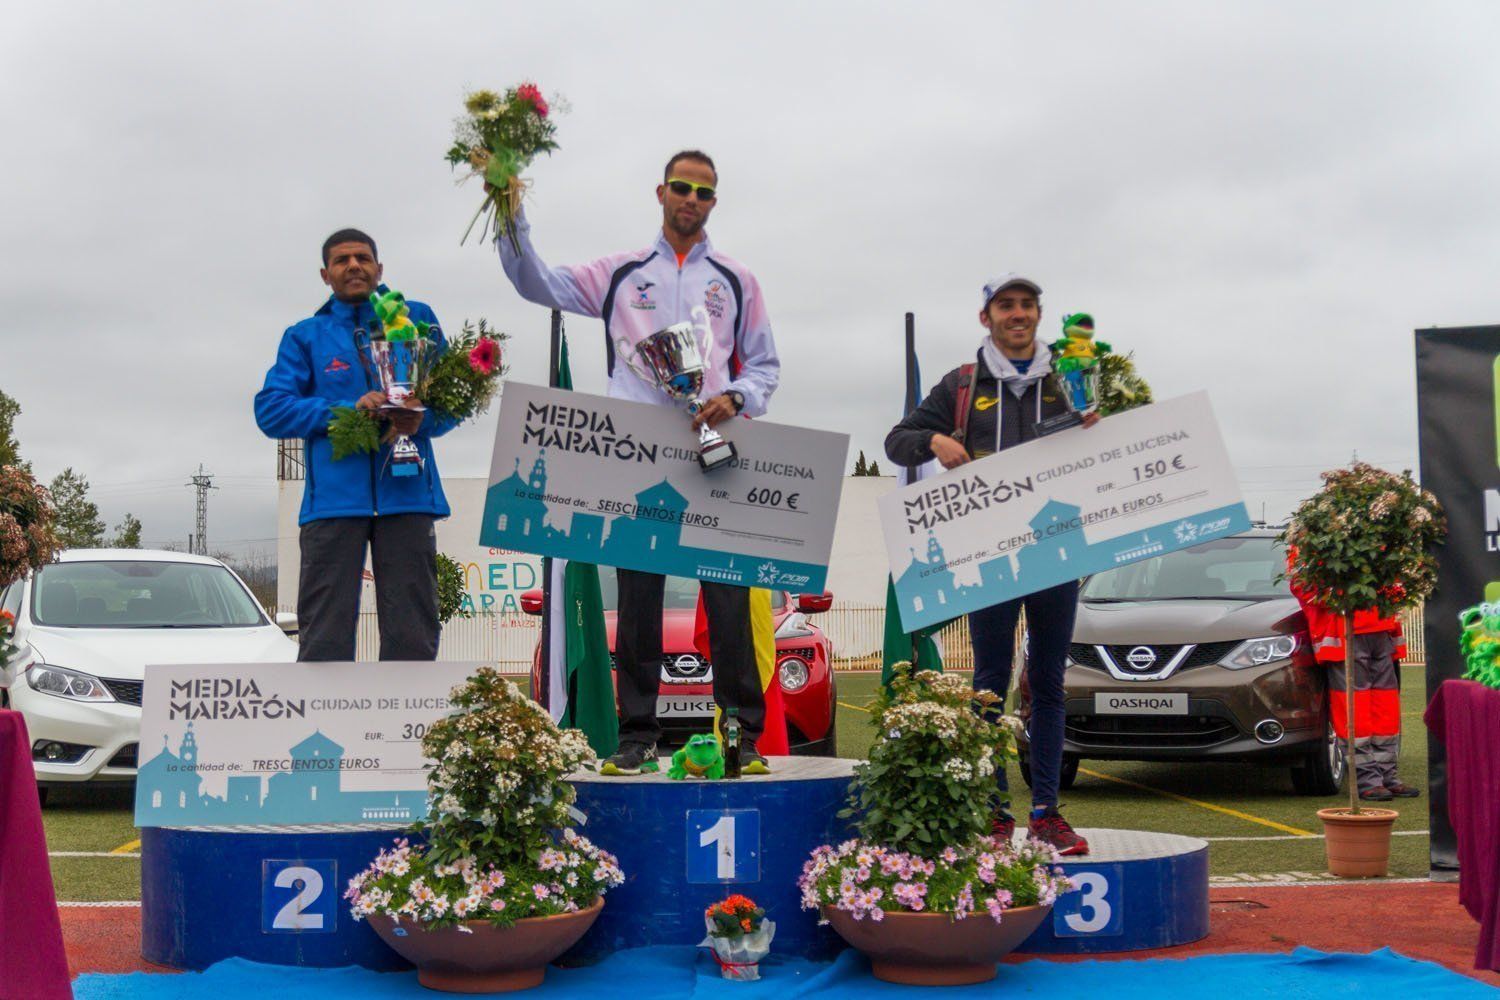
x=676 y=972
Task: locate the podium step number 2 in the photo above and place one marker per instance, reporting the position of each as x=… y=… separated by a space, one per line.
x=299 y=896
x=723 y=845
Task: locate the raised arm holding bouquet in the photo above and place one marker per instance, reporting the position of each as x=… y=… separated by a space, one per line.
x=497 y=137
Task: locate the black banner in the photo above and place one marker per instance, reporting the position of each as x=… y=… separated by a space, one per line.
x=1458 y=410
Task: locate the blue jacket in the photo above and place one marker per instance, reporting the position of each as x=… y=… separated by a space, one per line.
x=318 y=367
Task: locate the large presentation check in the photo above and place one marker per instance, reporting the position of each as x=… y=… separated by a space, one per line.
x=286 y=744
x=616 y=482
x=1136 y=485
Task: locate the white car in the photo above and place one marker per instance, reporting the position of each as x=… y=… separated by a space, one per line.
x=87 y=625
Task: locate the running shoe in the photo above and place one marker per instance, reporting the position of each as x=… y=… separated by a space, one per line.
x=632 y=758
x=1051 y=828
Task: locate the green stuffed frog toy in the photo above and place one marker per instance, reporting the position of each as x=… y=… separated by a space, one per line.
x=395 y=317
x=700 y=758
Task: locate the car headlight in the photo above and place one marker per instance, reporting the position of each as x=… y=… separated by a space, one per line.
x=794 y=674
x=793 y=626
x=1259 y=652
x=66 y=683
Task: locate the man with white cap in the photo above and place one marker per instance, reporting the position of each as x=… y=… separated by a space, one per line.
x=997 y=401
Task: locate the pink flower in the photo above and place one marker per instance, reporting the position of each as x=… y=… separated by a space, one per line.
x=532 y=94
x=485 y=356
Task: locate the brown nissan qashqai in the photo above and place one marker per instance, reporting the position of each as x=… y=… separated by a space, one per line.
x=1199 y=655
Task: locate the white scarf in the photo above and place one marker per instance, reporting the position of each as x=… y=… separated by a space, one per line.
x=1004 y=371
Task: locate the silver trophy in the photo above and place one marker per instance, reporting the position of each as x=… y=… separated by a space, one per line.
x=398 y=364
x=674 y=361
x=1080 y=390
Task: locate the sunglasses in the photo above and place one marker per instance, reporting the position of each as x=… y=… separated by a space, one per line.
x=685 y=188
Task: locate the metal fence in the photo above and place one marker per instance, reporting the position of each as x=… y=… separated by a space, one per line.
x=857 y=632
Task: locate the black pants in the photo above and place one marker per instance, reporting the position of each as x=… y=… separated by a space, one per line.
x=1049 y=628
x=403 y=557
x=638 y=655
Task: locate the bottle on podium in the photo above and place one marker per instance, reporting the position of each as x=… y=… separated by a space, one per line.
x=732 y=744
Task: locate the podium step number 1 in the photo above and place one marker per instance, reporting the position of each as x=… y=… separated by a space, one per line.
x=723 y=845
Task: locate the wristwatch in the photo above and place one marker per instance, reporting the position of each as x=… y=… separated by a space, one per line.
x=737 y=398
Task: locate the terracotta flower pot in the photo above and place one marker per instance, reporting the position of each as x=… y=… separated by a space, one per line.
x=1359 y=845
x=491 y=959
x=933 y=949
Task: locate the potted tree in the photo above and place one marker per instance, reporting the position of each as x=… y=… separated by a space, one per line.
x=1363 y=541
x=924 y=890
x=502 y=885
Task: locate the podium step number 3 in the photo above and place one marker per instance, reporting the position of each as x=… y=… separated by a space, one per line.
x=1096 y=908
x=299 y=897
x=723 y=845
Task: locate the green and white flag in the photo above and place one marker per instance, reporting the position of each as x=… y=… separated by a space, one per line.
x=918 y=648
x=579 y=680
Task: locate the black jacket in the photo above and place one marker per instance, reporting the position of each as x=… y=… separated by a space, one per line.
x=910 y=442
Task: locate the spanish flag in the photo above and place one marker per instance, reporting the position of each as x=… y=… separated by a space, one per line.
x=773 y=742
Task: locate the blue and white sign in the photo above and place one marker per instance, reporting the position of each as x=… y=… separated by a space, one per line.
x=723 y=845
x=1096 y=908
x=1136 y=485
x=617 y=483
x=285 y=744
x=299 y=897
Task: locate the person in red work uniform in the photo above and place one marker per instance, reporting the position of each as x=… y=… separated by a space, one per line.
x=1379 y=646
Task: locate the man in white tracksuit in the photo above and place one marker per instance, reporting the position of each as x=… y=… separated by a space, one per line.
x=679 y=278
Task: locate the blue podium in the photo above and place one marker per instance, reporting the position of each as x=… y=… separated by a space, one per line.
x=687 y=844
x=1137 y=890
x=266 y=893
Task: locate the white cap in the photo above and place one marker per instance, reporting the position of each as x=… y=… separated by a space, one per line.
x=995 y=286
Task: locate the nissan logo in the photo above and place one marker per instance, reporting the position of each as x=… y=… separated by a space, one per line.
x=689 y=663
x=1141 y=657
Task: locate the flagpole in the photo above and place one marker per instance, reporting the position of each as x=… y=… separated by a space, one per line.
x=913 y=391
x=544 y=686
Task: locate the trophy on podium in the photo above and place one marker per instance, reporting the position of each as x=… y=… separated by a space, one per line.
x=399 y=348
x=674 y=361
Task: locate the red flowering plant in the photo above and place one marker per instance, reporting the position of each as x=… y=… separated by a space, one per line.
x=1365 y=540
x=734 y=917
x=7 y=629
x=740 y=936
x=27 y=521
x=497 y=137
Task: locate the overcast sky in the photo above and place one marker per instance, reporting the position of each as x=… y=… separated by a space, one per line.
x=1262 y=200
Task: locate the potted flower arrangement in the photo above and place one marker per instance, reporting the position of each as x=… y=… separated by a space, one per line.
x=1364 y=540
x=502 y=885
x=924 y=890
x=740 y=936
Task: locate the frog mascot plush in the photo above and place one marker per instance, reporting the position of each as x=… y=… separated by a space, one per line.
x=700 y=758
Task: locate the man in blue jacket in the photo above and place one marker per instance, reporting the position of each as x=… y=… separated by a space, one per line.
x=324 y=362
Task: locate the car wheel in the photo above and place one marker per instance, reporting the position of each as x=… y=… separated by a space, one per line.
x=1069 y=772
x=1065 y=778
x=1323 y=771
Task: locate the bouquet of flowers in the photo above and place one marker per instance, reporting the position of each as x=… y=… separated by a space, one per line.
x=27 y=520
x=498 y=847
x=923 y=802
x=458 y=385
x=740 y=936
x=1121 y=387
x=497 y=137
